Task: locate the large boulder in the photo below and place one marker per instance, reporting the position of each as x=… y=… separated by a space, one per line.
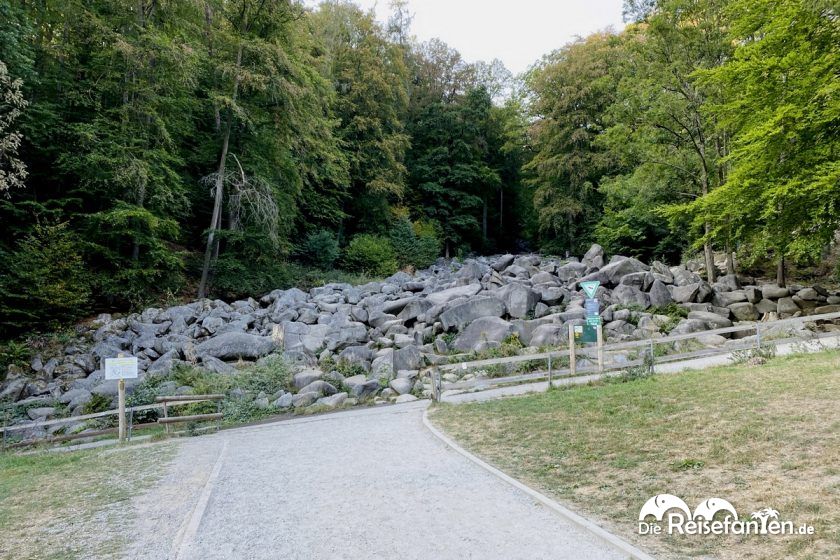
x=549 y=335
x=518 y=299
x=443 y=296
x=465 y=313
x=571 y=271
x=659 y=294
x=501 y=263
x=628 y=295
x=617 y=269
x=786 y=307
x=481 y=331
x=744 y=311
x=236 y=345
x=594 y=257
x=713 y=320
x=407 y=358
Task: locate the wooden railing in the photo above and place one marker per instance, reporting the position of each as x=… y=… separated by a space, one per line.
x=595 y=354
x=164 y=403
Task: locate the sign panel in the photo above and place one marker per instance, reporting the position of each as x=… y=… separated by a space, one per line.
x=592 y=307
x=589 y=287
x=594 y=320
x=120 y=368
x=590 y=334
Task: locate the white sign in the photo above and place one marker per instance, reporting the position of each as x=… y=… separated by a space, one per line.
x=121 y=368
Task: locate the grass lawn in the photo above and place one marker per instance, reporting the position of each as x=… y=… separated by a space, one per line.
x=757 y=436
x=73 y=505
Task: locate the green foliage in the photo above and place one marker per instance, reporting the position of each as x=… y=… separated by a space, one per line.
x=416 y=244
x=43 y=281
x=97 y=403
x=371 y=254
x=319 y=249
x=13 y=353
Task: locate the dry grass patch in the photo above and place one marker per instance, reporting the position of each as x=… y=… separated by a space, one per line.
x=754 y=435
x=73 y=504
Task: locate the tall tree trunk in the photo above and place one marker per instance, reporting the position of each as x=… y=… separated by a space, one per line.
x=730 y=261
x=216 y=219
x=780 y=272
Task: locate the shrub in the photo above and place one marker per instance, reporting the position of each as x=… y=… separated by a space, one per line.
x=372 y=254
x=319 y=249
x=43 y=282
x=416 y=244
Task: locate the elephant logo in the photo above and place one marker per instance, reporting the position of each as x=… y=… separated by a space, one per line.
x=659 y=504
x=708 y=508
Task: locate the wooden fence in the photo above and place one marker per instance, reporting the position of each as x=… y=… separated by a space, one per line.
x=163 y=405
x=594 y=356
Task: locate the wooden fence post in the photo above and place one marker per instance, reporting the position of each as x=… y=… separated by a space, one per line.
x=121 y=407
x=600 y=332
x=549 y=370
x=572 y=357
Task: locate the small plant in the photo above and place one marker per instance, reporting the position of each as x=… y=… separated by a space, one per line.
x=97 y=403
x=13 y=353
x=688 y=465
x=754 y=356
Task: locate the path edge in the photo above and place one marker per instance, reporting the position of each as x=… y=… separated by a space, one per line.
x=590 y=527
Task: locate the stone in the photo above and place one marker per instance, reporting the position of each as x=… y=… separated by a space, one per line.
x=744 y=311
x=659 y=294
x=363 y=390
x=770 y=291
x=405 y=398
x=827 y=309
x=713 y=320
x=465 y=313
x=766 y=306
x=810 y=294
x=753 y=294
x=545 y=278
x=594 y=257
x=41 y=412
x=236 y=345
x=216 y=365
x=482 y=330
x=571 y=271
x=711 y=340
x=617 y=269
x=688 y=326
x=444 y=296
x=628 y=295
x=407 y=358
x=284 y=401
x=685 y=293
x=726 y=299
x=786 y=307
x=319 y=386
x=303 y=378
x=549 y=335
x=333 y=401
x=502 y=262
x=519 y=300
x=401 y=385
x=302 y=400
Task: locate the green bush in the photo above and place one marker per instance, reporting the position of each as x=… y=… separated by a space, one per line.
x=416 y=244
x=319 y=249
x=43 y=283
x=372 y=254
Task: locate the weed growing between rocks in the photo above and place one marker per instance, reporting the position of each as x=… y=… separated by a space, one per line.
x=754 y=356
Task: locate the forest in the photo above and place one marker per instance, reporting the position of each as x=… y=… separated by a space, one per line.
x=157 y=150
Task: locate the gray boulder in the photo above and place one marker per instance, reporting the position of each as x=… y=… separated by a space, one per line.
x=659 y=294
x=320 y=387
x=303 y=378
x=518 y=299
x=235 y=345
x=594 y=257
x=713 y=320
x=744 y=311
x=302 y=400
x=465 y=313
x=786 y=307
x=502 y=262
x=333 y=401
x=771 y=291
x=625 y=294
x=443 y=296
x=401 y=385
x=549 y=335
x=407 y=358
x=481 y=331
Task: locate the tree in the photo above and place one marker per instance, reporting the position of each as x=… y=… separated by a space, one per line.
x=661 y=121
x=779 y=94
x=369 y=76
x=12 y=169
x=571 y=90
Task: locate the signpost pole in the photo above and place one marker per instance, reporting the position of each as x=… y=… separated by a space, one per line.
x=121 y=400
x=600 y=332
x=572 y=364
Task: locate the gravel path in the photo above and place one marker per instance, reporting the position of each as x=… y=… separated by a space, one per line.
x=355 y=485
